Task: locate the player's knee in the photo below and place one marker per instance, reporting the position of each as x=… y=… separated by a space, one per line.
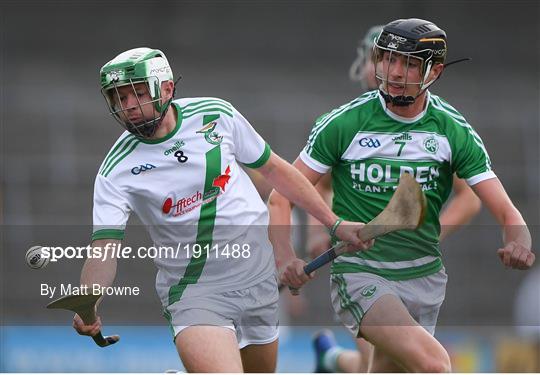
x=435 y=363
x=428 y=358
x=436 y=367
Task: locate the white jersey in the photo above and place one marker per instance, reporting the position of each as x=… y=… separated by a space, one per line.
x=192 y=195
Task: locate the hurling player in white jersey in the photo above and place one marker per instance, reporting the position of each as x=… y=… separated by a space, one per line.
x=391 y=294
x=459 y=210
x=177 y=167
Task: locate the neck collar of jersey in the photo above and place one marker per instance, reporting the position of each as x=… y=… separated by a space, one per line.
x=405 y=120
x=172 y=133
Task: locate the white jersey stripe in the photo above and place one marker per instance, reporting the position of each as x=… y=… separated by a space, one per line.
x=471 y=131
x=321 y=123
x=387 y=265
x=481 y=177
x=323 y=119
x=313 y=164
x=318 y=129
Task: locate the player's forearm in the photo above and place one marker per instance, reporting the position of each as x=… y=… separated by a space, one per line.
x=283 y=253
x=280 y=209
x=463 y=206
x=515 y=229
x=101 y=271
x=280 y=228
x=494 y=197
x=458 y=212
x=295 y=187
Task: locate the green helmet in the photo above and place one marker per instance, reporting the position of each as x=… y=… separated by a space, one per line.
x=139 y=65
x=363 y=54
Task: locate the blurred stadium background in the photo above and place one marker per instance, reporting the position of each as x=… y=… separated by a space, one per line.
x=281 y=63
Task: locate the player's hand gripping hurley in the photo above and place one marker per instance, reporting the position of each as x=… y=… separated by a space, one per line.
x=405 y=210
x=85 y=307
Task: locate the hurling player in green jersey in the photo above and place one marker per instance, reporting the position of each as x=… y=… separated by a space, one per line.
x=391 y=294
x=207 y=298
x=459 y=210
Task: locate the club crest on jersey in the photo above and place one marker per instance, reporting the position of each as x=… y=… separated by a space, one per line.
x=210 y=134
x=431 y=144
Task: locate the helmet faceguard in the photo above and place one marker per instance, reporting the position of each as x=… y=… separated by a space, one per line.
x=413 y=39
x=364 y=56
x=132 y=68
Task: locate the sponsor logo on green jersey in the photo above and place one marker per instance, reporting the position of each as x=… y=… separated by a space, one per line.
x=403 y=137
x=379 y=177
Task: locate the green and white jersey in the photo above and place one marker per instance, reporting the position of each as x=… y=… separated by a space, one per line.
x=190 y=192
x=368 y=148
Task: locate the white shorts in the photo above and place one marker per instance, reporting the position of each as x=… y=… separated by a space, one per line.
x=252 y=313
x=353 y=294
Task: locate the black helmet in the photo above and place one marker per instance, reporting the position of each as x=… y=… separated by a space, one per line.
x=414 y=38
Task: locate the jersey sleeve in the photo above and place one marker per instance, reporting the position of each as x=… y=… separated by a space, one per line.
x=250 y=148
x=470 y=157
x=111 y=210
x=322 y=149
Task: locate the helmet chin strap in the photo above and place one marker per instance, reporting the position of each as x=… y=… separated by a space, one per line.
x=144 y=130
x=398 y=101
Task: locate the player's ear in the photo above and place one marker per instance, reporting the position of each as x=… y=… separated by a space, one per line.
x=436 y=71
x=167 y=89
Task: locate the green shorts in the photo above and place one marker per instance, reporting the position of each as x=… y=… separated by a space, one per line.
x=353 y=294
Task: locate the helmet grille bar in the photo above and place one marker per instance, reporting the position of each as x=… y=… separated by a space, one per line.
x=144 y=129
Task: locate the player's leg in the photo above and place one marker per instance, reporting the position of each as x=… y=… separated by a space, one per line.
x=422 y=297
x=383 y=363
x=330 y=357
x=204 y=332
x=209 y=349
x=400 y=339
x=257 y=331
x=365 y=353
x=349 y=361
x=260 y=358
x=327 y=352
x=372 y=306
